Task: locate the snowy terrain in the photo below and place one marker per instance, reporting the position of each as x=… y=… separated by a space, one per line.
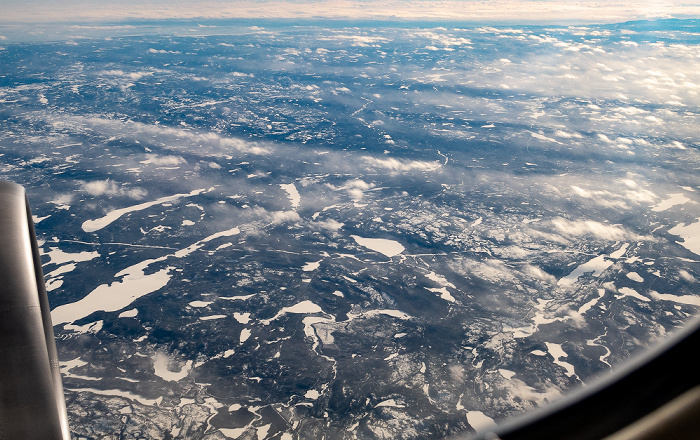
x=371 y=231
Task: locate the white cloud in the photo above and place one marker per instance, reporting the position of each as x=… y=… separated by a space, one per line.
x=279 y=217
x=62 y=201
x=684 y=274
x=392 y=164
x=361 y=40
x=152 y=50
x=356 y=194
x=491 y=270
x=330 y=224
x=129 y=75
x=538 y=273
x=359 y=184
x=174 y=138
x=100 y=187
x=623 y=197
x=108 y=187
x=163 y=160
x=579 y=228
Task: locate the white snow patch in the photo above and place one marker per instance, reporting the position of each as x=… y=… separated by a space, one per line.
x=634 y=276
x=681 y=299
x=390 y=403
x=65 y=268
x=586 y=307
x=211 y=317
x=480 y=421
x=238 y=298
x=508 y=374
x=245 y=334
x=371 y=313
x=558 y=353
x=537 y=320
x=120 y=393
x=59 y=257
x=304 y=307
x=243 y=318
x=134 y=284
x=200 y=303
x=97 y=224
x=673 y=200
x=233 y=432
x=129 y=313
x=324 y=333
x=441 y=280
x=115 y=296
x=227 y=233
x=620 y=252
x=161 y=366
x=262 y=431
x=690 y=234
x=596 y=266
x=595 y=343
x=312 y=394
x=67 y=366
x=38 y=219
x=228 y=354
x=627 y=291
x=384 y=246
x=292 y=193
x=311 y=266
x=53 y=284
x=90 y=327
x=444 y=293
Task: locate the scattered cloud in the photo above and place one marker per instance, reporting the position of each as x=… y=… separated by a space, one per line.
x=110 y=188
x=580 y=228
x=538 y=273
x=167 y=161
x=130 y=75
x=152 y=50
x=62 y=201
x=330 y=225
x=494 y=271
x=397 y=165
x=279 y=217
x=173 y=138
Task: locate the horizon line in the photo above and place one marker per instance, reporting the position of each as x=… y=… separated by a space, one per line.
x=408 y=11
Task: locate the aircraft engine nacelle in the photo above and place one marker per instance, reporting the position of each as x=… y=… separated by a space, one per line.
x=32 y=405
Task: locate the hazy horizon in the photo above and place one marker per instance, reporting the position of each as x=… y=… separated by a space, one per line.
x=527 y=12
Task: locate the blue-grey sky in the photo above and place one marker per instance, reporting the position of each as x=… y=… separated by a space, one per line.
x=467 y=10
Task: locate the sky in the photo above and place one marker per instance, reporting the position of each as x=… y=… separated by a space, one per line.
x=14 y=11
